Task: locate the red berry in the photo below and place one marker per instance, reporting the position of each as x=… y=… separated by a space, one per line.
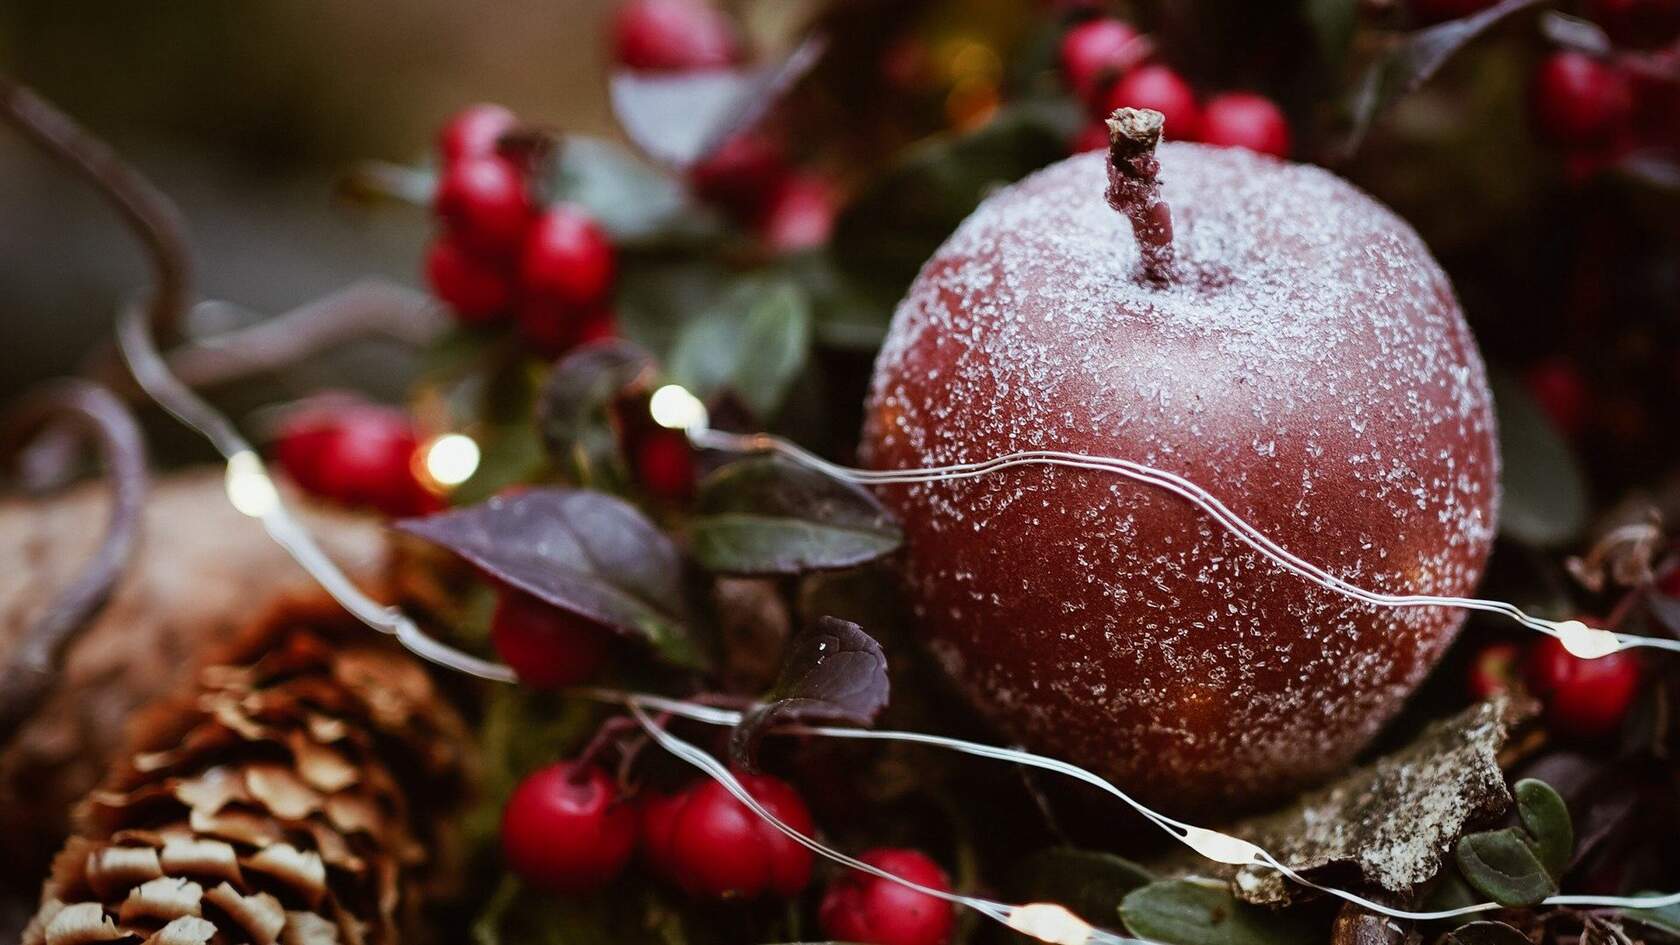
x=355 y=454
x=659 y=824
x=1583 y=698
x=664 y=461
x=1245 y=120
x=473 y=132
x=1436 y=11
x=1163 y=90
x=1095 y=51
x=567 y=258
x=1669 y=584
x=1092 y=137
x=475 y=288
x=1644 y=24
x=564 y=830
x=715 y=847
x=859 y=907
x=1494 y=670
x=741 y=174
x=546 y=646
x=1579 y=101
x=483 y=201
x=599 y=325
x=673 y=36
x=800 y=214
x=1557 y=386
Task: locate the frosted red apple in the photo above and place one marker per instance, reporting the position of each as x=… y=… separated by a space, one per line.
x=1300 y=355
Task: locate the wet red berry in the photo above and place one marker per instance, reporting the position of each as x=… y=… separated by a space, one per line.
x=664 y=463
x=1436 y=11
x=859 y=907
x=713 y=846
x=1495 y=669
x=355 y=454
x=483 y=202
x=567 y=258
x=1558 y=388
x=547 y=647
x=800 y=214
x=1165 y=91
x=1095 y=51
x=1245 y=120
x=1579 y=101
x=473 y=132
x=1583 y=698
x=565 y=830
x=741 y=175
x=673 y=36
x=1643 y=24
x=475 y=288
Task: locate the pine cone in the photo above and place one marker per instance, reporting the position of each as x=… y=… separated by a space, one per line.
x=304 y=794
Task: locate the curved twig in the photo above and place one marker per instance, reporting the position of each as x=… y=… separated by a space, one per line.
x=96 y=413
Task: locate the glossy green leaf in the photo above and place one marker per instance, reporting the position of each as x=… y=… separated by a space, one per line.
x=1546 y=818
x=1089 y=882
x=1544 y=494
x=1501 y=865
x=754 y=342
x=1183 y=912
x=770 y=516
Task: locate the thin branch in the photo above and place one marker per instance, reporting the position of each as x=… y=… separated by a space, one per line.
x=95 y=413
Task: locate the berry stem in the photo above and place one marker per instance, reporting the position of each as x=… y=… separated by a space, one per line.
x=1133 y=187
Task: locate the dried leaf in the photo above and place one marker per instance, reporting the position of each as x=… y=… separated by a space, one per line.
x=574 y=410
x=1182 y=912
x=1502 y=866
x=834 y=672
x=769 y=516
x=586 y=552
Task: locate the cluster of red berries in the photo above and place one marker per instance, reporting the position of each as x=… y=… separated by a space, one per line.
x=567 y=829
x=749 y=177
x=357 y=454
x=500 y=256
x=1108 y=65
x=1583 y=698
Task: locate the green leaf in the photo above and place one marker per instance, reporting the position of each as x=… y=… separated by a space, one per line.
x=1502 y=866
x=770 y=516
x=753 y=342
x=633 y=200
x=1183 y=912
x=1486 y=933
x=575 y=410
x=1546 y=818
x=1544 y=500
x=1089 y=882
x=1332 y=23
x=849 y=313
x=1666 y=918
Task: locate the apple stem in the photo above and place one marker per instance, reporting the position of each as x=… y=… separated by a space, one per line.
x=1133 y=188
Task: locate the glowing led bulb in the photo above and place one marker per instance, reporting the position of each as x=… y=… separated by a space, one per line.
x=674 y=408
x=451 y=459
x=1222 y=847
x=248 y=486
x=1051 y=923
x=1588 y=643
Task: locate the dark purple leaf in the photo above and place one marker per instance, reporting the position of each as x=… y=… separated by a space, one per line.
x=833 y=672
x=582 y=551
x=1412 y=63
x=680 y=118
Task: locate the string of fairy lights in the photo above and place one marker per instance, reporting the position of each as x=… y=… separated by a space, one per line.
x=252 y=492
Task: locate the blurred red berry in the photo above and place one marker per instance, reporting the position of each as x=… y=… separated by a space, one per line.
x=1669 y=583
x=564 y=830
x=859 y=907
x=483 y=202
x=673 y=36
x=1095 y=51
x=1583 y=698
x=1165 y=91
x=800 y=214
x=713 y=846
x=1579 y=101
x=1495 y=669
x=741 y=175
x=549 y=327
x=1092 y=137
x=1557 y=386
x=356 y=454
x=1643 y=24
x=473 y=132
x=599 y=325
x=1436 y=11
x=1245 y=120
x=664 y=463
x=567 y=258
x=547 y=647
x=476 y=289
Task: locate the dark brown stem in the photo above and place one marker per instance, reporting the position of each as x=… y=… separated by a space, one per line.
x=1133 y=187
x=94 y=412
